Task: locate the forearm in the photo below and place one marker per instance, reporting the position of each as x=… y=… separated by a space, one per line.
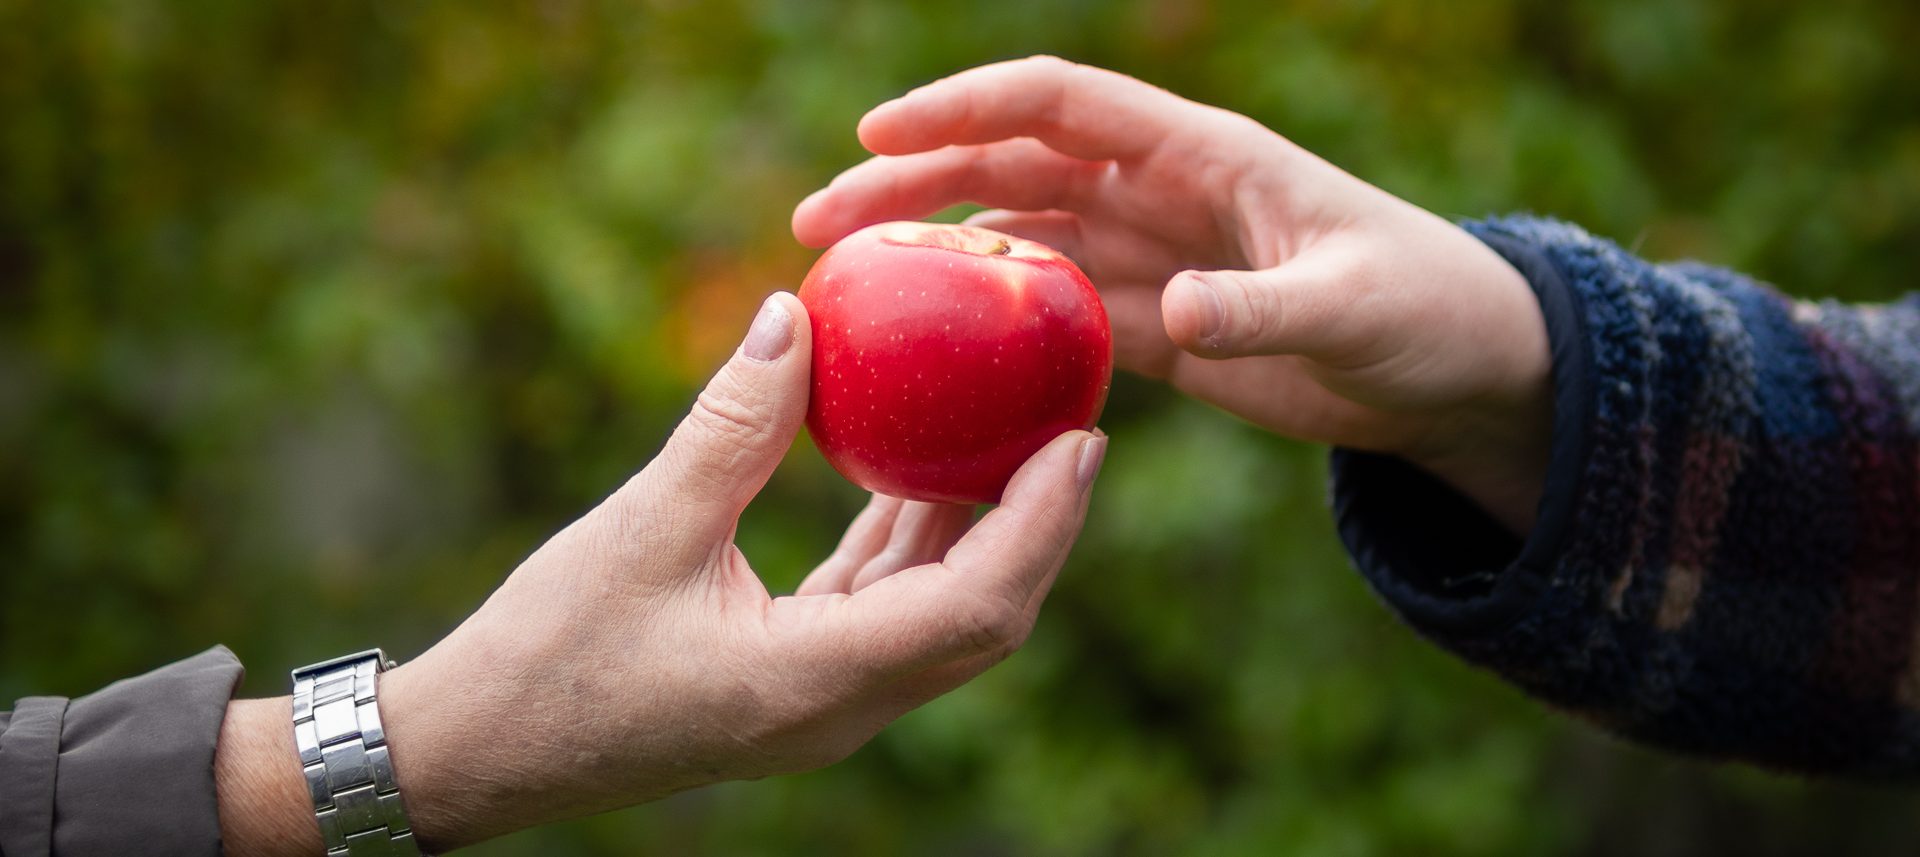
x=1495 y=448
x=264 y=806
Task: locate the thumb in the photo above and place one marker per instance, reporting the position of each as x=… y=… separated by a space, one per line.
x=1301 y=307
x=721 y=455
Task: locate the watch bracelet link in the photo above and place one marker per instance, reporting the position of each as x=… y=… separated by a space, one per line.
x=343 y=751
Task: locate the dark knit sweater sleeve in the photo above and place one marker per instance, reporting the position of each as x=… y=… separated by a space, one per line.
x=1727 y=556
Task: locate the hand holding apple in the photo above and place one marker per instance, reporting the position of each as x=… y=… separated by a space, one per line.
x=637 y=654
x=945 y=356
x=1236 y=265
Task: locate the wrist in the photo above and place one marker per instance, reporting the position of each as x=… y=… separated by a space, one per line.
x=1497 y=458
x=267 y=809
x=264 y=805
x=466 y=733
x=442 y=799
x=1495 y=448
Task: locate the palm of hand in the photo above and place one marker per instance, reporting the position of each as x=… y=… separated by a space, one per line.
x=1135 y=227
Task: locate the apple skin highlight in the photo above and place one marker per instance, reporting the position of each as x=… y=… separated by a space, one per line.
x=945 y=356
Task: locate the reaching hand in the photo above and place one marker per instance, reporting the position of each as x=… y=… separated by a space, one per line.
x=1236 y=265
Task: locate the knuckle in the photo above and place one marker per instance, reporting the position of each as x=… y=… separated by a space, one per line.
x=991 y=625
x=1231 y=124
x=1247 y=311
x=1049 y=64
x=966 y=109
x=975 y=170
x=1054 y=79
x=724 y=421
x=1261 y=314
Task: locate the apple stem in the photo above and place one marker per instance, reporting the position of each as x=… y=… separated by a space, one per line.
x=1001 y=249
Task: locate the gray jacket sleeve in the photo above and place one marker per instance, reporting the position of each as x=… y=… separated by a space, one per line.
x=127 y=769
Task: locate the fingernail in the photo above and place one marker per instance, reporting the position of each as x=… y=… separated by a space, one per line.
x=1092 y=451
x=771 y=333
x=1206 y=301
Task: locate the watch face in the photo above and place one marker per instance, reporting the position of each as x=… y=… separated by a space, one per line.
x=380 y=662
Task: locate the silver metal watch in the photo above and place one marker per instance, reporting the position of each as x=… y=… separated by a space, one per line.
x=336 y=725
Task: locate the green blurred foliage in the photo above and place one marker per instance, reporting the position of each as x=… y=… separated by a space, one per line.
x=316 y=318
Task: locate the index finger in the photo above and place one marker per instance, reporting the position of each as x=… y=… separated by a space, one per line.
x=1086 y=112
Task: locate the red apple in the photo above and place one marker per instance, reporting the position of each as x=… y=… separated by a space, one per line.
x=945 y=356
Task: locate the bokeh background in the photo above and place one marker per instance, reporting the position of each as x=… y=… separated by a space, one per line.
x=316 y=318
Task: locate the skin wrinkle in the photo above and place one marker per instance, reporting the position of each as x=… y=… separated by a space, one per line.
x=1248 y=217
x=729 y=431
x=1056 y=100
x=633 y=529
x=982 y=624
x=963 y=112
x=752 y=700
x=890 y=186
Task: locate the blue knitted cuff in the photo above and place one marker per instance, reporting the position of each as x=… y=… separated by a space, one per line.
x=1439 y=560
